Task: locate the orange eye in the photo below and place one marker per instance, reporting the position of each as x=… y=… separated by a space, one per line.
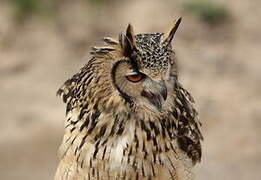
x=135 y=77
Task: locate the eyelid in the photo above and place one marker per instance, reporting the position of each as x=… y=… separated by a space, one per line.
x=131 y=73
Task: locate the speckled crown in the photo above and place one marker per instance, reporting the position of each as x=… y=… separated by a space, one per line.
x=154 y=56
x=152 y=51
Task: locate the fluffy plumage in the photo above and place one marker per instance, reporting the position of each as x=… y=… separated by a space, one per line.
x=127 y=115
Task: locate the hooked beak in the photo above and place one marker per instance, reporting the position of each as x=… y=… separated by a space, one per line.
x=155 y=98
x=163 y=89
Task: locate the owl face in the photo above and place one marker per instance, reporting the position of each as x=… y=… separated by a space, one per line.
x=140 y=88
x=142 y=76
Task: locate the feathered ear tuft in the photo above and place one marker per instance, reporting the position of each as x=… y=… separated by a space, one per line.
x=169 y=34
x=130 y=35
x=128 y=42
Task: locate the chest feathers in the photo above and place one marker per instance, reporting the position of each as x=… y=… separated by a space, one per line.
x=121 y=146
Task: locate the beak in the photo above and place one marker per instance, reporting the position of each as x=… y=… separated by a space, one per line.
x=163 y=89
x=155 y=98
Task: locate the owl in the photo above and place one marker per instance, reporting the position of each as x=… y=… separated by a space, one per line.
x=127 y=115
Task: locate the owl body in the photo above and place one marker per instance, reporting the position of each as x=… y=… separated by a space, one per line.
x=127 y=116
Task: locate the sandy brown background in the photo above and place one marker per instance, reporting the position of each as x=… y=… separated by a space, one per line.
x=220 y=65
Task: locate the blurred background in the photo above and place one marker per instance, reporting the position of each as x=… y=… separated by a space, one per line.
x=44 y=42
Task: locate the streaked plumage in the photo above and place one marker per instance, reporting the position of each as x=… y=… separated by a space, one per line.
x=127 y=115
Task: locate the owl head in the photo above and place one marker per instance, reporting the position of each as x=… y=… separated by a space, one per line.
x=144 y=75
x=140 y=69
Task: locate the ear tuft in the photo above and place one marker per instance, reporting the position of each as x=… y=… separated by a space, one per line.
x=130 y=35
x=169 y=34
x=127 y=41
